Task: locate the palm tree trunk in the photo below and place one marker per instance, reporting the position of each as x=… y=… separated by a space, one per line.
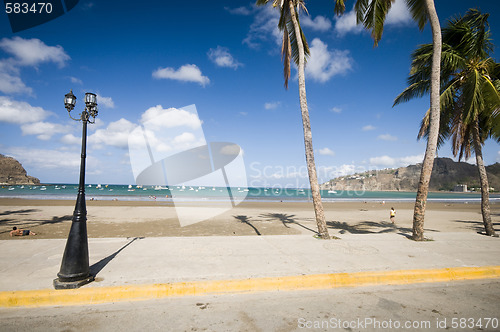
x=483 y=177
x=311 y=166
x=430 y=152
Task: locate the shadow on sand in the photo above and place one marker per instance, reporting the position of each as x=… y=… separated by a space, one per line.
x=478 y=226
x=372 y=227
x=245 y=220
x=285 y=220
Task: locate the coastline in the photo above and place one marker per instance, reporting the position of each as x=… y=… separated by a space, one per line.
x=51 y=219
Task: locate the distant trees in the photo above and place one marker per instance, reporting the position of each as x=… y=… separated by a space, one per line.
x=469 y=94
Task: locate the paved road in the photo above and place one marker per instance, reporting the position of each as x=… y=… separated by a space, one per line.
x=430 y=307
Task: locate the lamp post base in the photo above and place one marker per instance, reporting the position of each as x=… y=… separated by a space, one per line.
x=58 y=284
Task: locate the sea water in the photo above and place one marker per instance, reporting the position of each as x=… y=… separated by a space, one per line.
x=199 y=193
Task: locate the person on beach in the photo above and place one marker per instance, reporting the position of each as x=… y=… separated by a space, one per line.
x=21 y=232
x=393 y=214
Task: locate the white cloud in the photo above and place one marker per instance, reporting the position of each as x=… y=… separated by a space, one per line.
x=336 y=109
x=383 y=161
x=411 y=160
x=239 y=11
x=368 y=128
x=326 y=152
x=46 y=159
x=387 y=137
x=347 y=24
x=32 y=52
x=43 y=130
x=115 y=134
x=25 y=52
x=399 y=14
x=70 y=139
x=320 y=23
x=222 y=58
x=75 y=80
x=186 y=73
x=105 y=101
x=386 y=161
x=230 y=150
x=264 y=27
x=169 y=118
x=272 y=105
x=10 y=82
x=184 y=138
x=323 y=64
x=20 y=112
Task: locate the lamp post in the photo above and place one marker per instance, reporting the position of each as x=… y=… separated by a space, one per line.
x=75 y=270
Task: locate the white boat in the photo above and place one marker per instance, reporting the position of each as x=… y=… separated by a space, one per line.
x=160 y=187
x=332 y=192
x=99 y=186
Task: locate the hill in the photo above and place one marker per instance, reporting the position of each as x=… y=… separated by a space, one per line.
x=12 y=172
x=445 y=175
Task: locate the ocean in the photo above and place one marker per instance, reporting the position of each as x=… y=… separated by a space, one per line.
x=196 y=193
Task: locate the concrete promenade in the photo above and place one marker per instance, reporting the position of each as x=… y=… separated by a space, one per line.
x=144 y=268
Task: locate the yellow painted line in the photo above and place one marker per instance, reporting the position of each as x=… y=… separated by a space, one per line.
x=92 y=295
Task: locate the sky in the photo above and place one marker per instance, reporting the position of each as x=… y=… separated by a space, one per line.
x=156 y=57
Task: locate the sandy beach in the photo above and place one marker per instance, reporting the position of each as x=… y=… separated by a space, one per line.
x=51 y=219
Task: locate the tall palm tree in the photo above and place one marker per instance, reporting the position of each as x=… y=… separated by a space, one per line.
x=470 y=92
x=295 y=46
x=372 y=14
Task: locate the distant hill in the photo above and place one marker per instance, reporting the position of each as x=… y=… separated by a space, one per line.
x=446 y=174
x=12 y=172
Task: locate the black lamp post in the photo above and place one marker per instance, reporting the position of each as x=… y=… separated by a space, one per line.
x=75 y=271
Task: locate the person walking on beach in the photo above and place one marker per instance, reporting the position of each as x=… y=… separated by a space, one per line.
x=21 y=232
x=393 y=214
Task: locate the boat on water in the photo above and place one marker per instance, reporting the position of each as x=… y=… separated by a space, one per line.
x=332 y=192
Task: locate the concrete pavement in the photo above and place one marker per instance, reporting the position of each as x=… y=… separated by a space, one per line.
x=141 y=268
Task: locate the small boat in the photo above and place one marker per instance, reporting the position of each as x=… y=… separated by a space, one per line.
x=332 y=192
x=99 y=186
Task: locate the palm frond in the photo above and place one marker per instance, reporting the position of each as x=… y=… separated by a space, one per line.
x=286 y=56
x=373 y=14
x=339 y=8
x=416 y=90
x=418 y=12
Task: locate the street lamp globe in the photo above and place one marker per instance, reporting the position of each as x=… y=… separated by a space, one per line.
x=69 y=101
x=90 y=100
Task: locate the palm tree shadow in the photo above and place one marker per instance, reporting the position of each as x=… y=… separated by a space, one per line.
x=285 y=220
x=372 y=227
x=244 y=219
x=25 y=211
x=478 y=226
x=97 y=267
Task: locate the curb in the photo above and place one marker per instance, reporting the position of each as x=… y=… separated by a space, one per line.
x=94 y=295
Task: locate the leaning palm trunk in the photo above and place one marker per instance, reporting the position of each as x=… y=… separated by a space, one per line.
x=483 y=177
x=430 y=152
x=311 y=166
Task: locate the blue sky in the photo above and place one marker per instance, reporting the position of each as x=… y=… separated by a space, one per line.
x=223 y=57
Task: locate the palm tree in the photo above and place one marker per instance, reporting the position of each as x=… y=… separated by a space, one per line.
x=295 y=46
x=470 y=97
x=372 y=14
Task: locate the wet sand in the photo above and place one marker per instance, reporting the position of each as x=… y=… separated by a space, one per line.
x=51 y=219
